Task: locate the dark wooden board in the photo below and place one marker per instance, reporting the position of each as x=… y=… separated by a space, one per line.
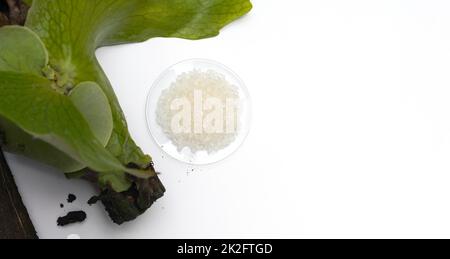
x=15 y=222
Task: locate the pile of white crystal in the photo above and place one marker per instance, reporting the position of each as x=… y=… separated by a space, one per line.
x=199 y=111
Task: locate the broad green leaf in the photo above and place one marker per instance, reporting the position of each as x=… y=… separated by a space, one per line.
x=73 y=29
x=94 y=23
x=17 y=141
x=21 y=50
x=38 y=106
x=189 y=19
x=119 y=183
x=30 y=102
x=90 y=100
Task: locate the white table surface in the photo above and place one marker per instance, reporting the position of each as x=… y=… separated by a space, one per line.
x=350 y=135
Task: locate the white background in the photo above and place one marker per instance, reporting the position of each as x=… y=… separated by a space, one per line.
x=350 y=135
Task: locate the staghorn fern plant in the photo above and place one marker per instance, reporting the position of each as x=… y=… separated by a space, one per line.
x=58 y=107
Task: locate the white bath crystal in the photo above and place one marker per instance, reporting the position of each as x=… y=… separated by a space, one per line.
x=199 y=111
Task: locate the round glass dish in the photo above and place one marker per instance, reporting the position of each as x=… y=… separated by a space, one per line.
x=185 y=154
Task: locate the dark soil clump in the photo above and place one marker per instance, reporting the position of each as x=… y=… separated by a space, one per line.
x=71 y=198
x=72 y=217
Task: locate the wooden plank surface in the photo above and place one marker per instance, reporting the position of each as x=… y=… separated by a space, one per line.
x=15 y=222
